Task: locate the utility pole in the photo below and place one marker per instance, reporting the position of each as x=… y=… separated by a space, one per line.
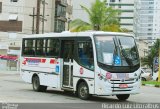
x=33 y=15
x=159 y=63
x=38 y=17
x=43 y=16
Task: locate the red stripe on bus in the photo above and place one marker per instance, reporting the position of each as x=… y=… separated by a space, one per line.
x=43 y=60
x=52 y=61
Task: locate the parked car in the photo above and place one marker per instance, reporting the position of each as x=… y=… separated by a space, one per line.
x=145 y=76
x=155 y=76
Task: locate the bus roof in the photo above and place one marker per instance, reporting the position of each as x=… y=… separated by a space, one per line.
x=74 y=34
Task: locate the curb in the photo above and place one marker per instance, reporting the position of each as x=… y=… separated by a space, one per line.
x=9 y=72
x=158 y=86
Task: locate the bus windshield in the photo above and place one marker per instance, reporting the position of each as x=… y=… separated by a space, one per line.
x=117 y=51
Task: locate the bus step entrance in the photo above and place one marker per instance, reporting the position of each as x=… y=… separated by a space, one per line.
x=67 y=76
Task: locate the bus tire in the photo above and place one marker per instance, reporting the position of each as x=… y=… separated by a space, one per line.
x=123 y=97
x=83 y=91
x=157 y=79
x=36 y=85
x=143 y=79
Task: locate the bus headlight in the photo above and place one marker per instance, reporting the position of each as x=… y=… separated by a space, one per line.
x=108 y=75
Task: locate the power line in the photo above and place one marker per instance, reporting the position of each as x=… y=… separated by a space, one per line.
x=38 y=16
x=26 y=14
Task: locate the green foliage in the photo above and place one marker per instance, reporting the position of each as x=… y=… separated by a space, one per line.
x=148 y=60
x=101 y=17
x=151 y=82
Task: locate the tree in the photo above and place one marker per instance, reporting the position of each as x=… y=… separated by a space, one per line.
x=101 y=17
x=148 y=60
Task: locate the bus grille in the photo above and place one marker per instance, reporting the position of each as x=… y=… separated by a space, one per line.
x=116 y=88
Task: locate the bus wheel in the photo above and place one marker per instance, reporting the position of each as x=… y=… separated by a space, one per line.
x=143 y=79
x=83 y=91
x=36 y=85
x=123 y=97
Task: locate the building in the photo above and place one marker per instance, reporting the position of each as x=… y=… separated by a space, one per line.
x=20 y=17
x=147 y=19
x=126 y=7
x=63 y=15
x=78 y=12
x=147 y=23
x=127 y=12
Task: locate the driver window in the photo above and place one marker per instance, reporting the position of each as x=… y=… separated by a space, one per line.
x=85 y=54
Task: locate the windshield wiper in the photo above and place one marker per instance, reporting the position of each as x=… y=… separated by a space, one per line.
x=124 y=54
x=116 y=51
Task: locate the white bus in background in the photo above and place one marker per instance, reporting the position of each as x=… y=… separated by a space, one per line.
x=87 y=63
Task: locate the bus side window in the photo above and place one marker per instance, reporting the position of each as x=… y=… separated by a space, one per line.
x=29 y=47
x=53 y=47
x=40 y=48
x=85 y=54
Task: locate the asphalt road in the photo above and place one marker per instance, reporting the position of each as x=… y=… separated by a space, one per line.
x=14 y=90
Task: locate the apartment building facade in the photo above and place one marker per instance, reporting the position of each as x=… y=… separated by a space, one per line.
x=127 y=12
x=147 y=23
x=19 y=17
x=147 y=19
x=126 y=7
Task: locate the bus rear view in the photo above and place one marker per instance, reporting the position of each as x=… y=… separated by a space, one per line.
x=86 y=63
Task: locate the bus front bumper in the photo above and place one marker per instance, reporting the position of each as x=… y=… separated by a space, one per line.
x=114 y=89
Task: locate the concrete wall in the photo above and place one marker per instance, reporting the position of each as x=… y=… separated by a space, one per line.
x=3 y=52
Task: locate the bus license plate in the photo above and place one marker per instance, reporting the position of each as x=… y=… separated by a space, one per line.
x=123 y=86
x=121 y=76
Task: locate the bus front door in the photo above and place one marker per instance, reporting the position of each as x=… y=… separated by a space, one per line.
x=67 y=55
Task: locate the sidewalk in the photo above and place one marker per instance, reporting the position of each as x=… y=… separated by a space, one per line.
x=4 y=69
x=9 y=72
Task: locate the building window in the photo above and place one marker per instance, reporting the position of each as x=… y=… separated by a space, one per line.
x=14 y=0
x=150 y=24
x=112 y=0
x=59 y=26
x=151 y=2
x=60 y=11
x=149 y=33
x=13 y=17
x=0 y=7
